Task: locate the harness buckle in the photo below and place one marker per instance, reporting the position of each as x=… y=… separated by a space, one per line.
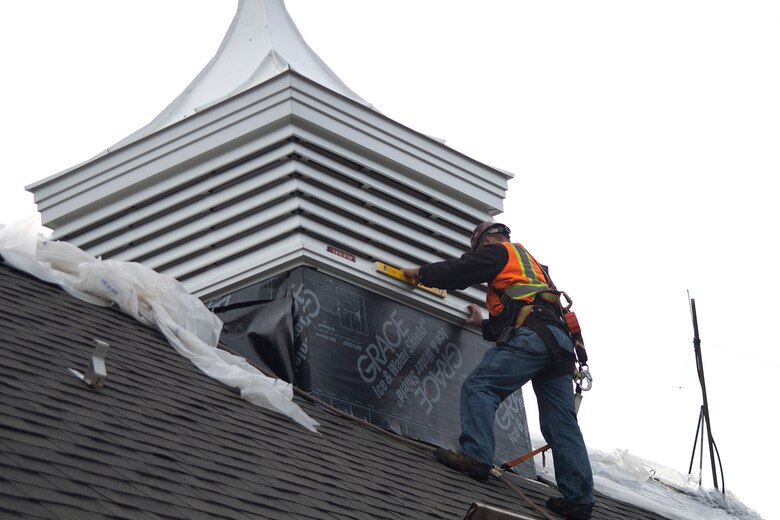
x=583 y=378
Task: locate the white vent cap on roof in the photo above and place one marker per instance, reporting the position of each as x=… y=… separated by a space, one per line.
x=95 y=375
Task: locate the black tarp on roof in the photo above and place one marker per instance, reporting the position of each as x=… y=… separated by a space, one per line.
x=368 y=355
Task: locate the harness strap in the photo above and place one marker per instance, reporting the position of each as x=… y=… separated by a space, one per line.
x=562 y=361
x=512 y=294
x=531 y=316
x=536 y=318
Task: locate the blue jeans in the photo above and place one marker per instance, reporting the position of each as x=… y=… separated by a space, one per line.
x=502 y=371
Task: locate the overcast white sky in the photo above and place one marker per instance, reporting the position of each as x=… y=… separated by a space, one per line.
x=643 y=137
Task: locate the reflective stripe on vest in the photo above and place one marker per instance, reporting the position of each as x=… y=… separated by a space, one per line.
x=521 y=279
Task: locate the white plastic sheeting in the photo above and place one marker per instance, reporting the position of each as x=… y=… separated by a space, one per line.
x=153 y=299
x=651 y=486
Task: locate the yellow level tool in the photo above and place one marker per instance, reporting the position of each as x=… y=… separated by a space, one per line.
x=399 y=275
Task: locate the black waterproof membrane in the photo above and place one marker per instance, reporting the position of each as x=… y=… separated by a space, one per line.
x=368 y=355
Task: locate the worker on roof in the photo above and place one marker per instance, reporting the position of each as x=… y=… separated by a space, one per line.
x=532 y=344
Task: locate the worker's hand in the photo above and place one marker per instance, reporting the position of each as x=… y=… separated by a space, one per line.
x=475 y=316
x=412 y=274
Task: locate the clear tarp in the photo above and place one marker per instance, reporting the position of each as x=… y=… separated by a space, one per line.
x=154 y=299
x=634 y=480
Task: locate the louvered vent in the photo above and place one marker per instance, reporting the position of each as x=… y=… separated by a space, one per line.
x=280 y=176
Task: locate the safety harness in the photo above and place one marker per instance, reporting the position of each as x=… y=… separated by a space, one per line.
x=544 y=308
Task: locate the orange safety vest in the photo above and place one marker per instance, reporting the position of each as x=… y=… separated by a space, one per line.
x=522 y=278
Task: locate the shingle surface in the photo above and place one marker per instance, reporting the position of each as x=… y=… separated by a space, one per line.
x=163 y=441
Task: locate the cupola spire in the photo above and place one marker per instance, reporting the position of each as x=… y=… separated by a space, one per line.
x=262 y=41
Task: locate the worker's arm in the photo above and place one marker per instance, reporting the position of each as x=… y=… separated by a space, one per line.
x=471 y=268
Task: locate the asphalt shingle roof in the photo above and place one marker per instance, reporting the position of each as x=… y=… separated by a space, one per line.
x=161 y=440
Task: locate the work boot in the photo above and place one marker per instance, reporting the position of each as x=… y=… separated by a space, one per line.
x=570 y=509
x=463 y=463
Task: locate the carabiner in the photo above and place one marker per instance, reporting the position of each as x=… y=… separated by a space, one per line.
x=569 y=302
x=583 y=378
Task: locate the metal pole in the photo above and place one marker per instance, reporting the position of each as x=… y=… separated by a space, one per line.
x=705 y=407
x=695 y=441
